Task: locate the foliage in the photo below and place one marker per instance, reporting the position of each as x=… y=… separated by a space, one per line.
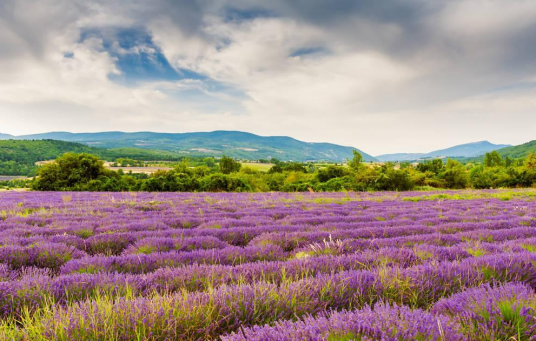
x=331 y=172
x=74 y=172
x=518 y=152
x=235 y=144
x=493 y=159
x=355 y=163
x=228 y=175
x=455 y=175
x=434 y=166
x=19 y=157
x=228 y=165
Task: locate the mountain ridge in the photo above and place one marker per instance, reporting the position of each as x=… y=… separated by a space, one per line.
x=519 y=151
x=471 y=149
x=5 y=136
x=216 y=143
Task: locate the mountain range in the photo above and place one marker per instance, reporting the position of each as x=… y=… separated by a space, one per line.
x=244 y=145
x=231 y=143
x=463 y=150
x=513 y=152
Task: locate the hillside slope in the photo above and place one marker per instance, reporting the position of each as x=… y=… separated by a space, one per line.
x=231 y=143
x=513 y=152
x=5 y=136
x=41 y=150
x=466 y=150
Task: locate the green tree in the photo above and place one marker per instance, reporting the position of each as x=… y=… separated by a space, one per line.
x=530 y=162
x=228 y=165
x=455 y=175
x=275 y=161
x=355 y=163
x=331 y=172
x=493 y=159
x=276 y=168
x=223 y=183
x=435 y=166
x=209 y=162
x=387 y=178
x=490 y=177
x=294 y=167
x=71 y=172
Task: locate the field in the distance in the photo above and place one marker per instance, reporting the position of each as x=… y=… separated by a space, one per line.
x=264 y=167
x=273 y=266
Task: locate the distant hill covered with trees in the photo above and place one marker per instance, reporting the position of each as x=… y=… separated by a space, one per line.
x=19 y=157
x=234 y=144
x=515 y=152
x=187 y=173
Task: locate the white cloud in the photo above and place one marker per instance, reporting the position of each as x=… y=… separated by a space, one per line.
x=413 y=76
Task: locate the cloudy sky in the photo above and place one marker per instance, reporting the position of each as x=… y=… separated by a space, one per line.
x=383 y=76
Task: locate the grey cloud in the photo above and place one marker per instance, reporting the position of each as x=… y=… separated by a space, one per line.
x=186 y=14
x=451 y=50
x=358 y=22
x=28 y=25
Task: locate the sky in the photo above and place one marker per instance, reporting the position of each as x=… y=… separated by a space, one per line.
x=382 y=76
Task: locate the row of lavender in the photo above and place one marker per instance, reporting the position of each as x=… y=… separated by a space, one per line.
x=172 y=266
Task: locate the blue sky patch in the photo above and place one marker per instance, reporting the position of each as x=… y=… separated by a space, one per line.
x=308 y=51
x=235 y=14
x=137 y=56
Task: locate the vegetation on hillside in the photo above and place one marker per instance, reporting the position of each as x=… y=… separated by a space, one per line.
x=85 y=172
x=19 y=157
x=234 y=144
x=514 y=152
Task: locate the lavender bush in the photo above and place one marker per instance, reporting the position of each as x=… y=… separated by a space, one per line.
x=272 y=266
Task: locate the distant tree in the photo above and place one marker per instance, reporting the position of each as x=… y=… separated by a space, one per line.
x=330 y=172
x=224 y=183
x=201 y=171
x=355 y=163
x=209 y=162
x=455 y=175
x=228 y=165
x=435 y=166
x=183 y=167
x=530 y=162
x=405 y=165
x=294 y=167
x=387 y=178
x=275 y=161
x=275 y=169
x=493 y=159
x=71 y=172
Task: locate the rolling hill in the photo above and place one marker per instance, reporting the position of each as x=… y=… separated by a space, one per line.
x=467 y=150
x=231 y=143
x=32 y=151
x=19 y=157
x=514 y=152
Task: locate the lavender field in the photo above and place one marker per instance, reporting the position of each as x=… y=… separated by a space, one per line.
x=273 y=266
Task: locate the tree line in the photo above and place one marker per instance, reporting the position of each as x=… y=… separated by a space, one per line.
x=86 y=172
